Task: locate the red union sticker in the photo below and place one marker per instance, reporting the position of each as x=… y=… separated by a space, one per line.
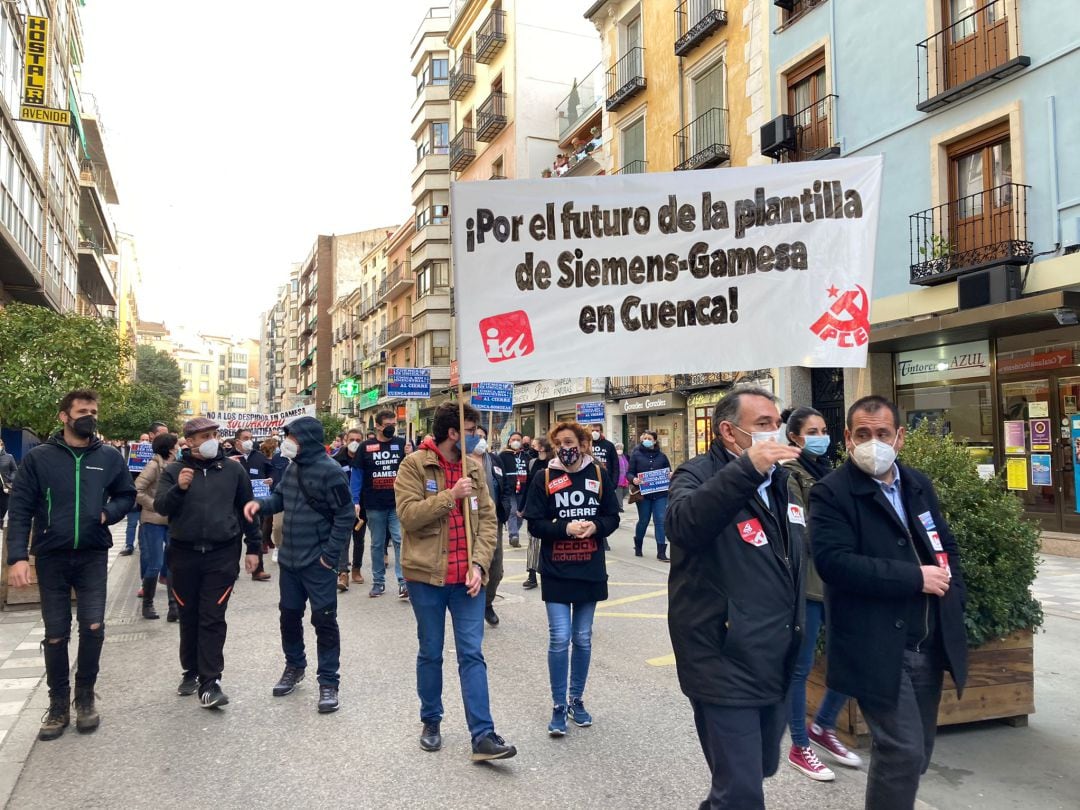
x=943 y=561
x=557 y=484
x=507 y=336
x=372 y=448
x=751 y=532
x=847 y=321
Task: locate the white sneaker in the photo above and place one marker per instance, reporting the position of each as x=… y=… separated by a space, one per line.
x=273 y=557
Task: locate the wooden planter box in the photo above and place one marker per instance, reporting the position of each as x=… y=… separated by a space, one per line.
x=1000 y=686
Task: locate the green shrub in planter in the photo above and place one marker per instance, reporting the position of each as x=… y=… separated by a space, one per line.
x=999 y=547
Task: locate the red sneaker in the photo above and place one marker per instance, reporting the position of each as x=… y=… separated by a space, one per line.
x=826 y=738
x=805 y=760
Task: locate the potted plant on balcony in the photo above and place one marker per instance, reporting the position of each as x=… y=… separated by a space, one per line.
x=936 y=254
x=999 y=551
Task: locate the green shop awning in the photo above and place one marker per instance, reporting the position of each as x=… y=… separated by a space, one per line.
x=73 y=104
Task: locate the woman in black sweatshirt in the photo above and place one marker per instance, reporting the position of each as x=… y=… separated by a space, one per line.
x=572 y=507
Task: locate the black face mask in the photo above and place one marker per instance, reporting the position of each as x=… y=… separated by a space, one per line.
x=390 y=431
x=84 y=427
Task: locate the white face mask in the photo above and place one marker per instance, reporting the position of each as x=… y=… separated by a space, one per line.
x=247 y=445
x=481 y=447
x=874 y=457
x=354 y=446
x=596 y=435
x=759 y=436
x=515 y=445
x=209 y=448
x=289 y=448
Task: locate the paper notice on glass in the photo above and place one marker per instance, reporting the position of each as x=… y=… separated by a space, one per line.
x=1037 y=409
x=1040 y=470
x=1016 y=473
x=986 y=471
x=1015 y=440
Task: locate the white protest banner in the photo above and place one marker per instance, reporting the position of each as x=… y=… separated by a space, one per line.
x=683 y=272
x=261 y=425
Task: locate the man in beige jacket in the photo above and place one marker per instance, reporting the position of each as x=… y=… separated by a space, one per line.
x=446 y=570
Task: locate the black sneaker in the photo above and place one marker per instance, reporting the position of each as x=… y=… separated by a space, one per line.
x=189 y=685
x=56 y=719
x=403 y=591
x=86 y=717
x=529 y=583
x=492 y=746
x=490 y=616
x=211 y=697
x=288 y=681
x=126 y=552
x=377 y=590
x=328 y=699
x=430 y=738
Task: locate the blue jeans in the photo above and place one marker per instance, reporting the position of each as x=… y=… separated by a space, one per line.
x=60 y=573
x=132 y=526
x=513 y=522
x=378 y=522
x=832 y=703
x=654 y=508
x=429 y=604
x=153 y=540
x=316 y=584
x=566 y=622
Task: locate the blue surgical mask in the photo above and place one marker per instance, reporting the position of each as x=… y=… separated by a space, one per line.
x=470 y=444
x=817 y=445
x=647 y=443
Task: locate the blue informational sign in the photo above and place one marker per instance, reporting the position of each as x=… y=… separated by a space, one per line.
x=1041 y=476
x=260 y=489
x=139 y=455
x=655 y=480
x=409 y=383
x=493 y=396
x=1074 y=448
x=590 y=412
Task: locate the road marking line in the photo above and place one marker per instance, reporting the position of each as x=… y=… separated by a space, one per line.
x=626 y=600
x=661 y=661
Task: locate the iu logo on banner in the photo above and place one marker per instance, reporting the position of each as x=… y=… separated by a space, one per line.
x=507 y=336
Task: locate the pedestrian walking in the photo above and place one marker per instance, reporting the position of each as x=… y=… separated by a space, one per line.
x=203 y=495
x=134 y=517
x=735 y=593
x=624 y=481
x=257 y=466
x=372 y=484
x=806 y=430
x=894 y=599
x=536 y=468
x=647 y=457
x=70 y=489
x=154 y=539
x=437 y=491
x=319 y=516
x=603 y=452
x=492 y=476
x=515 y=472
x=348 y=457
x=271 y=535
x=572 y=508
x=8 y=468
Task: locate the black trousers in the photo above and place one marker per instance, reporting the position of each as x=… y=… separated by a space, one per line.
x=742 y=747
x=903 y=735
x=495 y=575
x=59 y=574
x=202 y=582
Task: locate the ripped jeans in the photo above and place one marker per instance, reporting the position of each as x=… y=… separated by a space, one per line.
x=85 y=572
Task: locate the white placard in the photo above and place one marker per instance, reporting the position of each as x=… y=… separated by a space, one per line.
x=683 y=272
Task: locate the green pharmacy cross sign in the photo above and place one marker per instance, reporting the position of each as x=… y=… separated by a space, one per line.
x=349 y=387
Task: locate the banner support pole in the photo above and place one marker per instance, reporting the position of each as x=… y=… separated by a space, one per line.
x=464 y=471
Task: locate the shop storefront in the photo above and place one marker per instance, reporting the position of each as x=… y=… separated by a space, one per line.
x=541 y=404
x=664 y=413
x=700 y=405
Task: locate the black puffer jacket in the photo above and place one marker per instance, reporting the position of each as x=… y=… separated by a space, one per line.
x=64 y=491
x=735 y=606
x=210 y=512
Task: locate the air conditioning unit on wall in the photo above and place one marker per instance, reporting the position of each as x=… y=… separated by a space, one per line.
x=994 y=285
x=778 y=136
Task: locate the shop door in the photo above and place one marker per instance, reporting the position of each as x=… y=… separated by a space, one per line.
x=1047 y=456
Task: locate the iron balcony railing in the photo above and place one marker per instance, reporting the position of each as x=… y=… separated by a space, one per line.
x=695 y=21
x=794 y=10
x=491 y=36
x=704 y=142
x=976 y=50
x=462 y=76
x=584 y=99
x=623 y=387
x=491 y=116
x=626 y=78
x=397 y=279
x=633 y=167
x=980 y=230
x=814 y=137
x=463 y=149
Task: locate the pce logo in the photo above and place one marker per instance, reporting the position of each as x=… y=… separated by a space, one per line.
x=847 y=321
x=507 y=336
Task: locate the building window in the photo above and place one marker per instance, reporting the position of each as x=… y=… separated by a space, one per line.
x=980 y=178
x=432 y=277
x=440 y=137
x=187 y=368
x=204 y=369
x=808 y=103
x=703 y=434
x=633 y=143
x=440 y=348
x=204 y=387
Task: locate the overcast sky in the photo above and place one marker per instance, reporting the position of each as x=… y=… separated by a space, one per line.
x=237 y=131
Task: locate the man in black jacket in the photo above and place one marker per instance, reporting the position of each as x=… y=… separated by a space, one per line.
x=72 y=488
x=348 y=457
x=204 y=495
x=603 y=450
x=257 y=466
x=514 y=461
x=735 y=593
x=895 y=598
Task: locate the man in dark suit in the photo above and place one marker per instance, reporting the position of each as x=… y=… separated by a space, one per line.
x=894 y=598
